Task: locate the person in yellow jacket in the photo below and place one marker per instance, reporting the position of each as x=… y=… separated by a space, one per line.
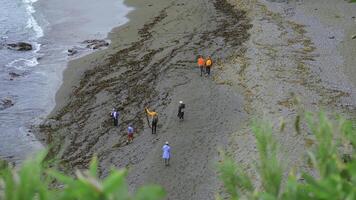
x=208 y=65
x=154 y=117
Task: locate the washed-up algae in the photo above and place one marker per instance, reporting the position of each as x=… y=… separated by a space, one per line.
x=128 y=78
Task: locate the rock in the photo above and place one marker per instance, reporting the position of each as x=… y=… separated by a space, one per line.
x=353 y=17
x=96 y=44
x=72 y=52
x=353 y=37
x=6 y=103
x=51 y=123
x=20 y=46
x=14 y=75
x=332 y=37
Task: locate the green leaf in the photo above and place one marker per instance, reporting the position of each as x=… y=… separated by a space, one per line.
x=93 y=167
x=152 y=192
x=60 y=177
x=115 y=182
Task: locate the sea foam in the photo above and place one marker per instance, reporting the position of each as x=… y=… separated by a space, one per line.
x=31 y=22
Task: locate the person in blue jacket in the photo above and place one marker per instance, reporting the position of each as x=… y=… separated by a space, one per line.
x=166 y=153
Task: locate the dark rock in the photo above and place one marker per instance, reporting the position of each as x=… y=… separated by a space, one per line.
x=20 y=46
x=72 y=52
x=13 y=75
x=332 y=37
x=353 y=17
x=96 y=44
x=353 y=37
x=6 y=103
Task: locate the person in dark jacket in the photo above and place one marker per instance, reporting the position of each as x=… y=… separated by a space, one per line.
x=180 y=110
x=115 y=116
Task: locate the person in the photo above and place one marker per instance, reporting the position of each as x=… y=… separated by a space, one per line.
x=208 y=65
x=154 y=117
x=115 y=116
x=201 y=64
x=130 y=132
x=180 y=110
x=166 y=153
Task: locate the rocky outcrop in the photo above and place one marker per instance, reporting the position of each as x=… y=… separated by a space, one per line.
x=13 y=75
x=6 y=102
x=96 y=44
x=20 y=46
x=72 y=52
x=89 y=44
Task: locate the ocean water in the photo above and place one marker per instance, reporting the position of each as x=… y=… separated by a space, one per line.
x=52 y=27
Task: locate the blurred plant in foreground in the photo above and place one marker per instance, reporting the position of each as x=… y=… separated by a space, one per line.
x=35 y=181
x=336 y=177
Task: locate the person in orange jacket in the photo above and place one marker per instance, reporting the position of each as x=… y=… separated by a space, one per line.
x=208 y=65
x=201 y=65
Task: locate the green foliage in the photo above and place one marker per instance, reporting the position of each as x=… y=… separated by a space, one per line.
x=352 y=1
x=33 y=180
x=336 y=177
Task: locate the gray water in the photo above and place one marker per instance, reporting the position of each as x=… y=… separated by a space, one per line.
x=52 y=27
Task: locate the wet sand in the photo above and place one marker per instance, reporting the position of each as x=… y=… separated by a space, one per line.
x=259 y=70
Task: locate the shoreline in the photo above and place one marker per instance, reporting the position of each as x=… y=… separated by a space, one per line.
x=75 y=67
x=260 y=71
x=52 y=29
x=56 y=46
x=150 y=62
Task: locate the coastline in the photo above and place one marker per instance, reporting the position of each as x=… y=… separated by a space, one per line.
x=151 y=62
x=128 y=33
x=30 y=79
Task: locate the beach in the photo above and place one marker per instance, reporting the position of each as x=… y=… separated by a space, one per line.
x=30 y=79
x=272 y=60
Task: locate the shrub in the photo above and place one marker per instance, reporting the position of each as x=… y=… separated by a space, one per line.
x=336 y=170
x=33 y=181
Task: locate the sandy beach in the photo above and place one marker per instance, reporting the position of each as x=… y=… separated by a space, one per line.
x=265 y=55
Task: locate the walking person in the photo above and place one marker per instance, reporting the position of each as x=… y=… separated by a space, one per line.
x=154 y=118
x=208 y=65
x=130 y=132
x=154 y=124
x=180 y=110
x=115 y=116
x=166 y=153
x=201 y=65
